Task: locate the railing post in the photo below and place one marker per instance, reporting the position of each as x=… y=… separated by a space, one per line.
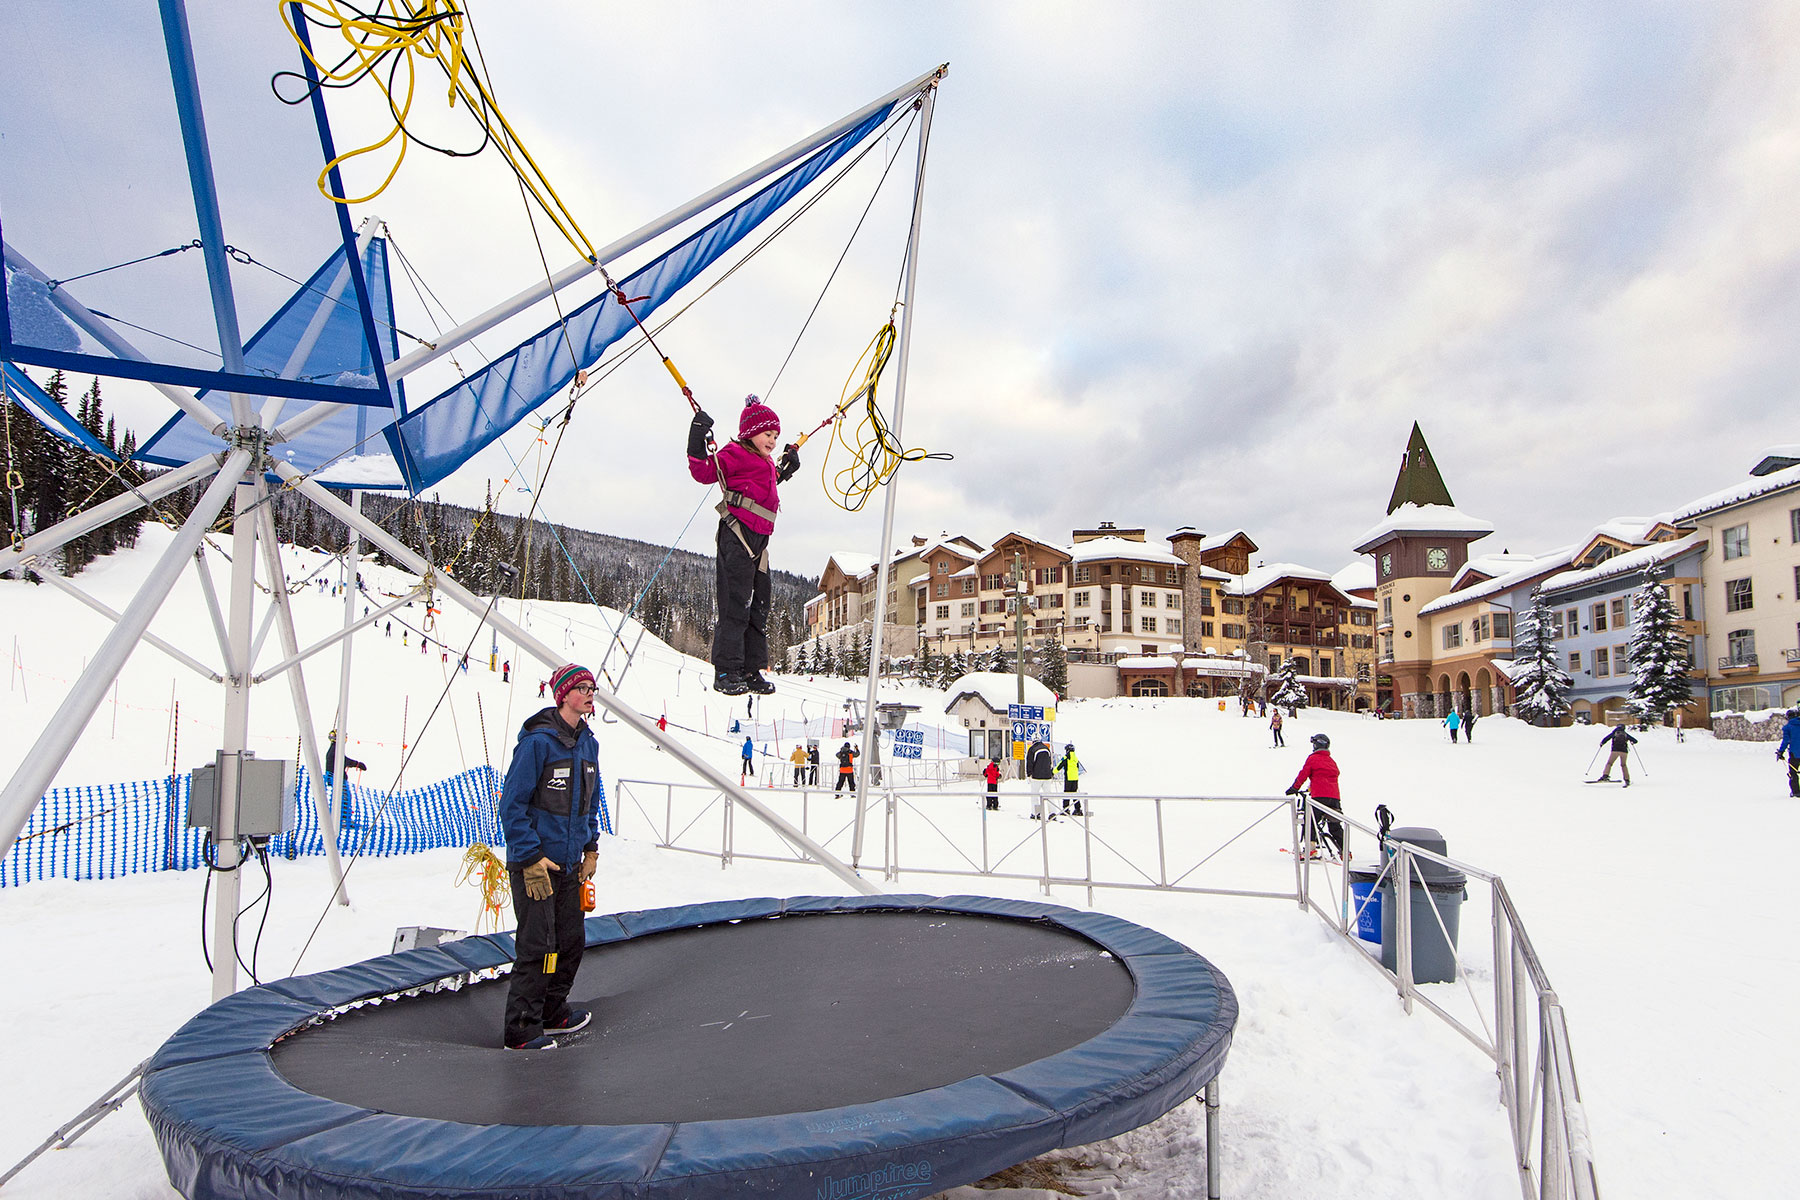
x=1297 y=818
x=1087 y=846
x=1044 y=841
x=985 y=868
x=1213 y=1147
x=1403 y=923
x=668 y=814
x=725 y=826
x=1520 y=1042
x=1162 y=856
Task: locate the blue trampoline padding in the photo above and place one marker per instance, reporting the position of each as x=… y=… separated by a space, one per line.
x=230 y=1125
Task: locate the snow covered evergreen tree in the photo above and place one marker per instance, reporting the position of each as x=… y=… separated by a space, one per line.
x=1540 y=684
x=1053 y=667
x=1657 y=652
x=1286 y=689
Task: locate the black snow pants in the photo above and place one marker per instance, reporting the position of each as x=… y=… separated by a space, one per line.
x=535 y=995
x=740 y=640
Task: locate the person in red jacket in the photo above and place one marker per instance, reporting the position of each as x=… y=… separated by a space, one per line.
x=1320 y=773
x=747 y=472
x=991 y=773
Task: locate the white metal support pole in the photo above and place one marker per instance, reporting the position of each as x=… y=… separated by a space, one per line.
x=338 y=638
x=193 y=664
x=604 y=697
x=237 y=735
x=1213 y=1147
x=928 y=101
x=309 y=742
x=211 y=595
x=352 y=588
x=44 y=541
x=40 y=764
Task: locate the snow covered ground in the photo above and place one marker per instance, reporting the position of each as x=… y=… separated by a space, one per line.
x=1659 y=911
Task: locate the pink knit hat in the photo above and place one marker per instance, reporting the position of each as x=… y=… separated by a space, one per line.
x=757 y=417
x=565 y=677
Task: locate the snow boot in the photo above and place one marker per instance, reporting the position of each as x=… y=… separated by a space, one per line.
x=727 y=684
x=575 y=1020
x=759 y=685
x=541 y=1042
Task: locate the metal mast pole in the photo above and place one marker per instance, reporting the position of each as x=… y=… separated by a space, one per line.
x=238 y=621
x=927 y=102
x=1019 y=619
x=352 y=582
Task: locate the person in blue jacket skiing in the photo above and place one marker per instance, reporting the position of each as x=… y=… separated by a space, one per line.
x=550 y=813
x=1790 y=747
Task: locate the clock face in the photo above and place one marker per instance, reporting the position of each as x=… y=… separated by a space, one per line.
x=1437 y=558
x=1387 y=565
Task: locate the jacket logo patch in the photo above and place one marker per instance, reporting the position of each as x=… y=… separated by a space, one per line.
x=559 y=779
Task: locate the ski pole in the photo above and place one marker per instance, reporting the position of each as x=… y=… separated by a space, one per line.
x=1593 y=760
x=1641 y=769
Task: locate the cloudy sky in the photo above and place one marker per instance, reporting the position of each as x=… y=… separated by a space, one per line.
x=1182 y=264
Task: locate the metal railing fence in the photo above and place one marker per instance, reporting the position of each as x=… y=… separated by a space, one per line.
x=1194 y=845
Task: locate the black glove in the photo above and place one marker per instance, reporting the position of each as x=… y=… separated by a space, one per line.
x=789 y=466
x=698 y=432
x=1294 y=791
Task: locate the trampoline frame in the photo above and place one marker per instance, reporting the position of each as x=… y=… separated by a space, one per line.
x=230 y=1125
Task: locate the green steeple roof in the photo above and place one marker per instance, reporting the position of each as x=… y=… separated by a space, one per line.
x=1418 y=481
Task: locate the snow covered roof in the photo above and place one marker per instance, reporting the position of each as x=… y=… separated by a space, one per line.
x=1146 y=662
x=1359 y=573
x=1220 y=540
x=1205 y=664
x=1258 y=578
x=1630 y=562
x=854 y=564
x=1212 y=574
x=1738 y=493
x=953 y=542
x=1118 y=547
x=1504 y=582
x=1422 y=518
x=1488 y=566
x=1777 y=458
x=998 y=690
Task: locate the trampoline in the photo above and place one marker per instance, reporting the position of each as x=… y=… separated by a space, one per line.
x=888 y=1046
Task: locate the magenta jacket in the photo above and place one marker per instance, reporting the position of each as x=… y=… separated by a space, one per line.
x=745 y=471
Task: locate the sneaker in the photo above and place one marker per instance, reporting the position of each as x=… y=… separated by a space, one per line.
x=759 y=685
x=727 y=684
x=573 y=1021
x=542 y=1041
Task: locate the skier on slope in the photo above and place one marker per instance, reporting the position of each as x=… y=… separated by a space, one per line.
x=1621 y=741
x=1320 y=772
x=1790 y=746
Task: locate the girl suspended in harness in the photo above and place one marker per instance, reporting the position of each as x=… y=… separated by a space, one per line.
x=746 y=470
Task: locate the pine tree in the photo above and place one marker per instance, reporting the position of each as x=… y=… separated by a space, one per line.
x=1053 y=668
x=1657 y=652
x=998 y=660
x=1287 y=690
x=959 y=666
x=924 y=665
x=1540 y=685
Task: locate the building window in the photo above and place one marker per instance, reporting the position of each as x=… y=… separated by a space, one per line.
x=1146 y=624
x=1621 y=661
x=1363 y=674
x=1602 y=664
x=1105 y=571
x=1172 y=600
x=1452 y=636
x=1232 y=606
x=1599 y=615
x=1169 y=576
x=1206 y=629
x=1574 y=616
x=968 y=585
x=1049 y=574
x=1173 y=626
x=1556 y=623
x=1146 y=599
x=1503 y=625
x=943 y=568
x=943 y=612
x=1081 y=575
x=1619 y=617
x=1387 y=565
x=1050 y=600
x=1478 y=629
x=1737 y=595
x=1735 y=542
x=1301 y=666
x=968 y=610
x=1231 y=631
x=943 y=589
x=1574 y=661
x=1081 y=600
x=1740 y=647
x=1387 y=610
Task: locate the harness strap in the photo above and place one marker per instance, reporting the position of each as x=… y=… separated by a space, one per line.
x=737 y=527
x=739 y=500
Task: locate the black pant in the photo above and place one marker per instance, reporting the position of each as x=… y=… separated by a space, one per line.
x=846 y=779
x=799 y=776
x=1793 y=776
x=993 y=796
x=1332 y=828
x=1278 y=740
x=534 y=995
x=740 y=641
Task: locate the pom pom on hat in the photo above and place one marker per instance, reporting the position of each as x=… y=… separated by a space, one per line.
x=757 y=417
x=564 y=679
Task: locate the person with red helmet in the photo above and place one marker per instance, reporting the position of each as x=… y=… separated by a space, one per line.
x=1319 y=773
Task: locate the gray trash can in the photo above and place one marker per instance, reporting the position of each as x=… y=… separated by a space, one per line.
x=1437 y=893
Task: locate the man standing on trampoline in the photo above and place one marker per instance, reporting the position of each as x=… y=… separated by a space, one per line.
x=550 y=812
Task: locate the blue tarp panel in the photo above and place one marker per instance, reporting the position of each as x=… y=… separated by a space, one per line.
x=339 y=357
x=448 y=430
x=51 y=415
x=230 y=1125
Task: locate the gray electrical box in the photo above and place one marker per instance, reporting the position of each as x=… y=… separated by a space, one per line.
x=265 y=797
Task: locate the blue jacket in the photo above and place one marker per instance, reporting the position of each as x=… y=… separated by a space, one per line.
x=550 y=802
x=1790 y=738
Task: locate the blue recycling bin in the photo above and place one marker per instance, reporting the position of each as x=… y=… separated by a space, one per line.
x=1365 y=903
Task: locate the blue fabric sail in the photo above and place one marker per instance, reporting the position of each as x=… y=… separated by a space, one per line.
x=439 y=436
x=51 y=415
x=317 y=337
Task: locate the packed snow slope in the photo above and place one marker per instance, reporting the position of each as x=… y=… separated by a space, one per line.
x=1659 y=911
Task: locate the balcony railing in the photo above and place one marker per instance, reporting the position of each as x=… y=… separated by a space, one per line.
x=1738 y=662
x=1792 y=656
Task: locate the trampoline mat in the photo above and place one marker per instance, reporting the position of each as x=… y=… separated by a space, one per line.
x=749 y=1019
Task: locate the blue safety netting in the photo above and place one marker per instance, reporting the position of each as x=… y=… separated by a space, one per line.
x=448 y=430
x=53 y=416
x=103 y=831
x=317 y=337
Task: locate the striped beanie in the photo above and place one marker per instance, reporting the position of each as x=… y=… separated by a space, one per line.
x=564 y=679
x=757 y=417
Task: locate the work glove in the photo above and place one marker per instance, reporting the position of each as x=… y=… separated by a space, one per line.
x=1294 y=791
x=789 y=466
x=537 y=879
x=589 y=861
x=698 y=432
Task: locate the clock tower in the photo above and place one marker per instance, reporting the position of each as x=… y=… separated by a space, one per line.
x=1418 y=550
